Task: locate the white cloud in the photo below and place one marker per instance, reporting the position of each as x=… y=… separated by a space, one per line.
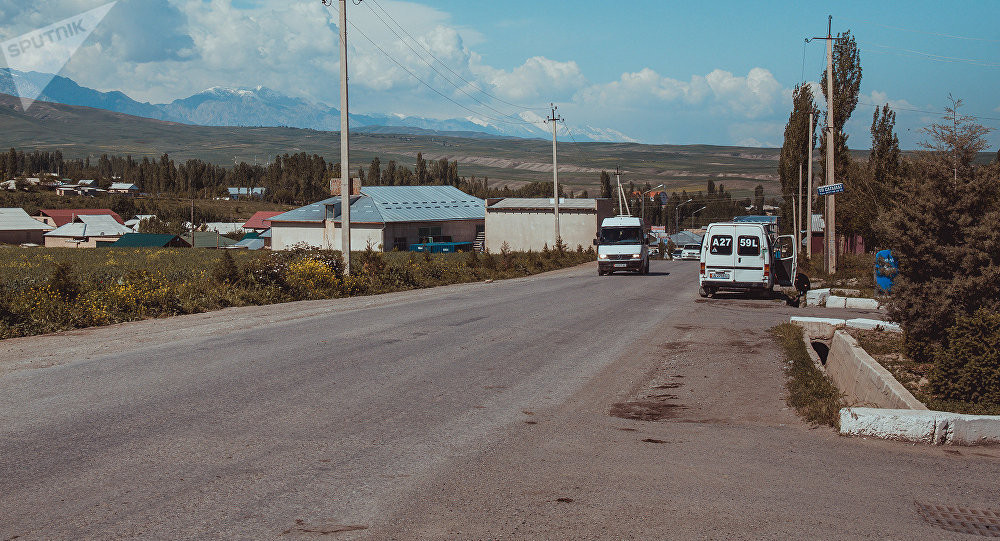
x=539 y=78
x=751 y=96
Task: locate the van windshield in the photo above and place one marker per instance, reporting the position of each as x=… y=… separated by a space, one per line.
x=621 y=235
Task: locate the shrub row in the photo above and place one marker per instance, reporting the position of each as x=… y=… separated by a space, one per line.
x=128 y=285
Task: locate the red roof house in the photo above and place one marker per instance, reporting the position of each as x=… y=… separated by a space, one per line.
x=61 y=217
x=260 y=221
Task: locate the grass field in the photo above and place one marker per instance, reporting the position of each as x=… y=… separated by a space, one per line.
x=54 y=289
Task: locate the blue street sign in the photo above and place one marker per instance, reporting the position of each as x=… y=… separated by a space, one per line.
x=831 y=189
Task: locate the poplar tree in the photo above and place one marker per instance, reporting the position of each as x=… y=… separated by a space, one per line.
x=795 y=149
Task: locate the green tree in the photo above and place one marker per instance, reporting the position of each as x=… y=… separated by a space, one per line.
x=605 y=184
x=942 y=230
x=374 y=173
x=846 y=86
x=795 y=149
x=873 y=186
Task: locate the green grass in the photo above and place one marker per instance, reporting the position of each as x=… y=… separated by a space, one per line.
x=814 y=397
x=54 y=289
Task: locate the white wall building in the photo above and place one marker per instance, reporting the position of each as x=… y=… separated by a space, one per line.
x=529 y=224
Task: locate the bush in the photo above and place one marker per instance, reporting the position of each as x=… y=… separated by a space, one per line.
x=967 y=368
x=225 y=270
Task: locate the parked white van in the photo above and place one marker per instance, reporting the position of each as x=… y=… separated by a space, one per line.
x=745 y=257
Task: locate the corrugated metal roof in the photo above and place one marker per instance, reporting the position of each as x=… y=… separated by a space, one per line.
x=382 y=204
x=96 y=225
x=16 y=219
x=261 y=219
x=123 y=186
x=208 y=239
x=424 y=203
x=542 y=203
x=314 y=212
x=65 y=216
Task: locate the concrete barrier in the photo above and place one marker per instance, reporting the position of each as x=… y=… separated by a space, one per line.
x=934 y=427
x=818 y=328
x=817 y=297
x=860 y=303
x=833 y=301
x=873 y=324
x=862 y=379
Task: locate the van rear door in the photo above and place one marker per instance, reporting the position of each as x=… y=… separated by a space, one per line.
x=751 y=254
x=720 y=255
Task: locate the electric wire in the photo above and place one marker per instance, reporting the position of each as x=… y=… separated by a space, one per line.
x=428 y=85
x=939 y=34
x=470 y=83
x=442 y=75
x=935 y=57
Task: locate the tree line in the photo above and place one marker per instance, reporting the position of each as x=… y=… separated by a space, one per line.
x=937 y=209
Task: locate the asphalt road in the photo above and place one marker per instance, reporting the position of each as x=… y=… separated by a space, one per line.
x=477 y=411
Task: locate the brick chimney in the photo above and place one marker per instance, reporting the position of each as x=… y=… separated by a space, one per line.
x=355 y=186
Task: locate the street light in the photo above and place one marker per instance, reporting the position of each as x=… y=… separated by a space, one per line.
x=643 y=195
x=696 y=212
x=677 y=211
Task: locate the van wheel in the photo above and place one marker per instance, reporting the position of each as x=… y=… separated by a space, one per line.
x=703 y=292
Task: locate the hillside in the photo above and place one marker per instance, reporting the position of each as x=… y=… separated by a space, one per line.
x=83 y=131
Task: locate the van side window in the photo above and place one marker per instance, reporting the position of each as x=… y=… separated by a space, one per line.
x=721 y=245
x=748 y=245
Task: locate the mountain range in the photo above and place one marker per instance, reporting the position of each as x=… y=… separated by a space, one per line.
x=263 y=107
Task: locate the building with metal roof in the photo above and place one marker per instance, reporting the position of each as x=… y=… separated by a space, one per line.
x=149 y=240
x=246 y=193
x=529 y=223
x=16 y=227
x=261 y=220
x=123 y=187
x=384 y=217
x=61 y=217
x=86 y=231
x=207 y=239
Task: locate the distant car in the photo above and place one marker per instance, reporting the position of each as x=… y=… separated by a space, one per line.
x=678 y=252
x=654 y=250
x=691 y=251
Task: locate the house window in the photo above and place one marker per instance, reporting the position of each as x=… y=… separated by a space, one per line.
x=429 y=234
x=399 y=243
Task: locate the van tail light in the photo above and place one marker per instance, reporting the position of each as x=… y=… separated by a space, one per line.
x=703 y=268
x=767 y=269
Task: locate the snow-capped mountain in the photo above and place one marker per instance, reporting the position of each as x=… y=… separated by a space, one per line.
x=262 y=106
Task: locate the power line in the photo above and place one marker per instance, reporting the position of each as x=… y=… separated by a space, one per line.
x=939 y=34
x=443 y=76
x=915 y=110
x=428 y=85
x=937 y=57
x=470 y=83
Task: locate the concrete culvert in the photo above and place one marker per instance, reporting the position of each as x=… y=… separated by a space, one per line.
x=821 y=349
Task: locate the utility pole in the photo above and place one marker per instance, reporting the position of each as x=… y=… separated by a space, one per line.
x=555 y=169
x=809 y=193
x=345 y=168
x=797 y=209
x=831 y=220
x=623 y=209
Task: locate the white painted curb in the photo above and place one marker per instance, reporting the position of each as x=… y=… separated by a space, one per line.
x=934 y=427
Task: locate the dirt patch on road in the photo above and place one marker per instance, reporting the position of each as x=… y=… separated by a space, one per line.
x=646 y=410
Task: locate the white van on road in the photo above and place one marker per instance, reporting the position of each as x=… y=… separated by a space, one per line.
x=622 y=246
x=745 y=257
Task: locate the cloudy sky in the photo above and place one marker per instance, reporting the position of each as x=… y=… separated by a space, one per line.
x=660 y=71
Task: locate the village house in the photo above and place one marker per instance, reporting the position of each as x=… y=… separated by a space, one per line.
x=16 y=227
x=86 y=231
x=61 y=217
x=126 y=188
x=385 y=218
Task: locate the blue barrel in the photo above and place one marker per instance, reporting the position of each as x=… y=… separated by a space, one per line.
x=886 y=269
